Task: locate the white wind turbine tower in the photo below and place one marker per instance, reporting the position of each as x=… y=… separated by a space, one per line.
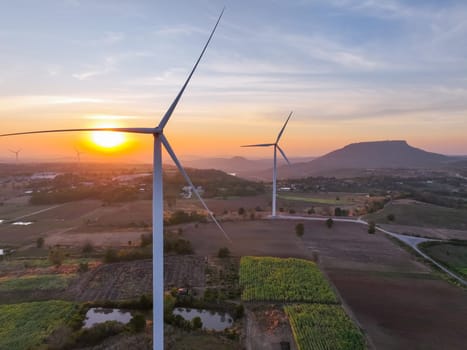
x=274 y=168
x=16 y=154
x=157 y=197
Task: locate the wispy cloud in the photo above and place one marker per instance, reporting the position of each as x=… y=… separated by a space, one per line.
x=92 y=71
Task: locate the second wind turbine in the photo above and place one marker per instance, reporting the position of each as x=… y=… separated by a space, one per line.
x=274 y=168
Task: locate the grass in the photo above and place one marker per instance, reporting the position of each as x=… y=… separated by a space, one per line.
x=421 y=214
x=35 y=282
x=453 y=255
x=286 y=280
x=323 y=327
x=26 y=325
x=329 y=201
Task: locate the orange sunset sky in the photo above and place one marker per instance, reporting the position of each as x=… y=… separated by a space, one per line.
x=350 y=70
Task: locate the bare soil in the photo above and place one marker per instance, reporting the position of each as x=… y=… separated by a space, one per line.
x=266 y=327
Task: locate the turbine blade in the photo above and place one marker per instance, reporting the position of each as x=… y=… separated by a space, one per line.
x=283 y=154
x=126 y=130
x=259 y=145
x=188 y=180
x=169 y=112
x=283 y=128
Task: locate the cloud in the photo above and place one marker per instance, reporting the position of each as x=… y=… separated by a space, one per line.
x=108 y=66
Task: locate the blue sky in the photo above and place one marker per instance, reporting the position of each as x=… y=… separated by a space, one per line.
x=351 y=70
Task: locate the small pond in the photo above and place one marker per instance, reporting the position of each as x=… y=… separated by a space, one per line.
x=212 y=320
x=98 y=315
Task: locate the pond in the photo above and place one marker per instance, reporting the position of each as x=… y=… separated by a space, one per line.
x=98 y=315
x=212 y=320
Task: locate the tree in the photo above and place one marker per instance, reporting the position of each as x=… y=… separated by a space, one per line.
x=56 y=256
x=337 y=211
x=391 y=217
x=88 y=248
x=40 y=242
x=197 y=323
x=371 y=227
x=329 y=222
x=223 y=252
x=241 y=211
x=299 y=229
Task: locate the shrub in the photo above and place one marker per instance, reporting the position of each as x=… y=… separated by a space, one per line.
x=391 y=217
x=299 y=229
x=110 y=255
x=223 y=252
x=88 y=248
x=56 y=256
x=99 y=332
x=371 y=227
x=197 y=323
x=137 y=323
x=146 y=239
x=329 y=222
x=83 y=267
x=241 y=211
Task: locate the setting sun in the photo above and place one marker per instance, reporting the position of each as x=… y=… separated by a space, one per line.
x=107 y=139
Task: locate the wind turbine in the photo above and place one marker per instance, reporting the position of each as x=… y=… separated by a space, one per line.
x=16 y=153
x=157 y=197
x=78 y=154
x=274 y=168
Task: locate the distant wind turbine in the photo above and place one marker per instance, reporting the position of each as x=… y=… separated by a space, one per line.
x=274 y=168
x=16 y=154
x=78 y=154
x=157 y=197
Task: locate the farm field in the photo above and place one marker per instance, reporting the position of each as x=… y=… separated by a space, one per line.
x=283 y=280
x=323 y=327
x=318 y=199
x=34 y=282
x=26 y=325
x=420 y=214
x=369 y=272
x=452 y=255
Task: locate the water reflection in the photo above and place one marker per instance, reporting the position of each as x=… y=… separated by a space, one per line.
x=212 y=320
x=98 y=315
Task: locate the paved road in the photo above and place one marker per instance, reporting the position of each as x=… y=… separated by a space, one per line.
x=411 y=241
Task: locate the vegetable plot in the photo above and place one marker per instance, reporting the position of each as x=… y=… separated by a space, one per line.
x=323 y=327
x=285 y=280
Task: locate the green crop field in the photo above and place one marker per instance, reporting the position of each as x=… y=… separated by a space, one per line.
x=36 y=282
x=275 y=279
x=25 y=326
x=323 y=327
x=452 y=255
x=317 y=200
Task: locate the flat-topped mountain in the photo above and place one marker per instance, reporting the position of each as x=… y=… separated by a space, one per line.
x=367 y=155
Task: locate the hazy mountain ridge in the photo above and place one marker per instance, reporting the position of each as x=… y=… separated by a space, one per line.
x=241 y=166
x=365 y=155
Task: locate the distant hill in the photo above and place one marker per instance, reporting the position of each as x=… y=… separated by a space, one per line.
x=366 y=155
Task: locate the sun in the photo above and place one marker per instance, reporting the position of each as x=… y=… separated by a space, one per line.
x=107 y=139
